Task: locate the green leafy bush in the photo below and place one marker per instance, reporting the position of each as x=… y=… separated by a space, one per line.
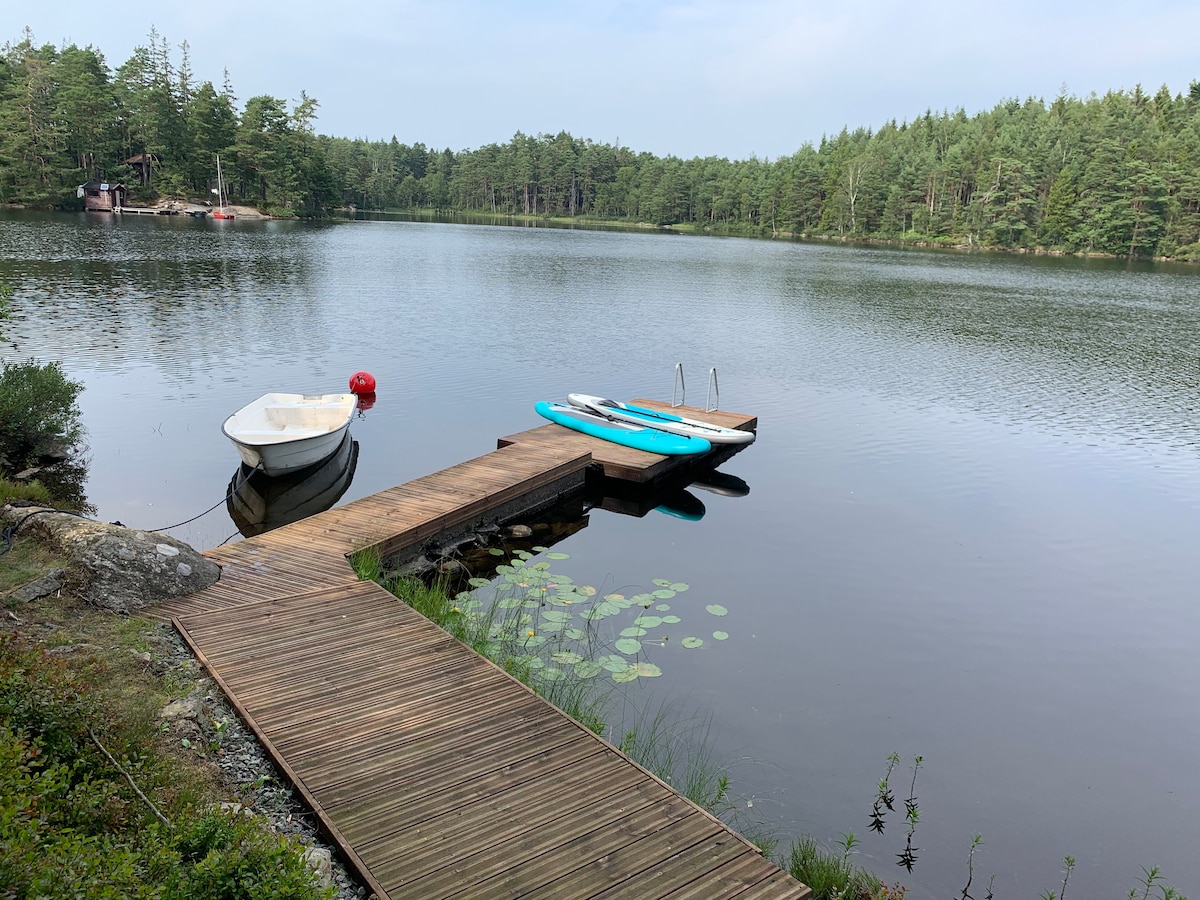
x=72 y=825
x=38 y=411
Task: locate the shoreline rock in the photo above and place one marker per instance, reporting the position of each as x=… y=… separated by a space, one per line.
x=113 y=567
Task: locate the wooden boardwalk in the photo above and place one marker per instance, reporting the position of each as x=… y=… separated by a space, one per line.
x=436 y=773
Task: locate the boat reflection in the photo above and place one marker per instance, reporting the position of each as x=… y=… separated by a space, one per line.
x=674 y=498
x=720 y=483
x=258 y=503
x=682 y=504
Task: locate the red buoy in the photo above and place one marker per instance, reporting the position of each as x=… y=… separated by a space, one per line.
x=362 y=383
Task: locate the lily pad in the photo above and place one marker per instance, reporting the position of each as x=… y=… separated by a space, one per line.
x=692 y=642
x=662 y=607
x=664 y=593
x=588 y=669
x=574 y=634
x=633 y=632
x=648 y=621
x=496 y=551
x=662 y=582
x=717 y=609
x=628 y=646
x=671 y=620
x=557 y=555
x=613 y=663
x=550 y=673
x=556 y=616
x=566 y=657
x=478 y=582
x=648 y=670
x=540 y=549
x=625 y=676
x=678 y=586
x=720 y=635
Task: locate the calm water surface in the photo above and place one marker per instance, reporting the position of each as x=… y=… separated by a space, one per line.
x=974 y=504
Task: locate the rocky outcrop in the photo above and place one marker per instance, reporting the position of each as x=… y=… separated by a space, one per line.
x=113 y=567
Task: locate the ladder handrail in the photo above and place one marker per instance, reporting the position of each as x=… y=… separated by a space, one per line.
x=713 y=388
x=678 y=386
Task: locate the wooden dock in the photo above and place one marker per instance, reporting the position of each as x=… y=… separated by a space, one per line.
x=437 y=774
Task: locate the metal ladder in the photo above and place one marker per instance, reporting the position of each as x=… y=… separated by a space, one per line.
x=680 y=389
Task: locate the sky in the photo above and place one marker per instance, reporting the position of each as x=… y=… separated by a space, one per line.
x=676 y=77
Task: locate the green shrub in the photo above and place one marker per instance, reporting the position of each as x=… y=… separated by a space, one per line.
x=38 y=411
x=229 y=856
x=71 y=824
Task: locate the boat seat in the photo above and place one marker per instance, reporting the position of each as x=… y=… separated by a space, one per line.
x=275 y=434
x=297 y=414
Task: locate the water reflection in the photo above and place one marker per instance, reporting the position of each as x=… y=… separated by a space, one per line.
x=721 y=483
x=258 y=503
x=682 y=504
x=65 y=480
x=672 y=497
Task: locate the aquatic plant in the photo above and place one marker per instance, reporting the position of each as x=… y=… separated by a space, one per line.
x=1068 y=868
x=550 y=627
x=831 y=875
x=677 y=748
x=367 y=563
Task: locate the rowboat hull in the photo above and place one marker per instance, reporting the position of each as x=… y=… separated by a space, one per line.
x=280 y=433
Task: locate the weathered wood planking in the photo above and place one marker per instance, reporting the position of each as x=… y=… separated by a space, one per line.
x=638 y=466
x=440 y=776
x=311 y=554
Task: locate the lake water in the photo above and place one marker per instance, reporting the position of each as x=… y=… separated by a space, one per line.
x=973 y=513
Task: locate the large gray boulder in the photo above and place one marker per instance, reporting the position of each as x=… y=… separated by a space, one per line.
x=114 y=567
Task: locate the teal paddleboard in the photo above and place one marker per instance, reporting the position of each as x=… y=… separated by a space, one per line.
x=628 y=434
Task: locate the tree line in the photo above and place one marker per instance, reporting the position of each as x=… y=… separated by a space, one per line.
x=1115 y=174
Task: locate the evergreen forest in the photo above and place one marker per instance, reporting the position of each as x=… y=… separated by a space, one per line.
x=1116 y=174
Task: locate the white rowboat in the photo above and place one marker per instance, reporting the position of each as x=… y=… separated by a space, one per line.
x=279 y=433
